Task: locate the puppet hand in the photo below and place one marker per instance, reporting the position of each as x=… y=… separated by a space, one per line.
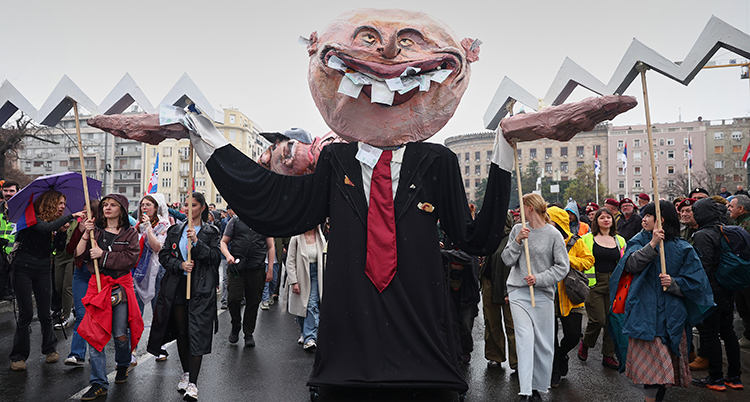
x=563 y=122
x=502 y=152
x=141 y=127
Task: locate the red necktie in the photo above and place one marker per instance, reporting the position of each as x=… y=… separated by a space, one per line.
x=380 y=265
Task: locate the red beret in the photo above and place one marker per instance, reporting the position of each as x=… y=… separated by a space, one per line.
x=644 y=197
x=593 y=206
x=686 y=203
x=612 y=201
x=626 y=201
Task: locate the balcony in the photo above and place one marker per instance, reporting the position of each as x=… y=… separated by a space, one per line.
x=183 y=189
x=184 y=173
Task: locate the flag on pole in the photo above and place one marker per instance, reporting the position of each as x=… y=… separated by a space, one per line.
x=625 y=157
x=744 y=157
x=28 y=219
x=597 y=164
x=690 y=154
x=153 y=184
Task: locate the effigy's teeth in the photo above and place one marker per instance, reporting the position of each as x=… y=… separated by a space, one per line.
x=424 y=84
x=336 y=63
x=349 y=88
x=381 y=94
x=409 y=83
x=394 y=84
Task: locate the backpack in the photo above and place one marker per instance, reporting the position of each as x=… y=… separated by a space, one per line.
x=576 y=283
x=733 y=272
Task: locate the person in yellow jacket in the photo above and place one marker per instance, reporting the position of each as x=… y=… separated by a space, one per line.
x=569 y=314
x=607 y=247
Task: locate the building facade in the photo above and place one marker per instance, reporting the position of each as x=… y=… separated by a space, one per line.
x=474 y=152
x=726 y=142
x=174 y=160
x=670 y=154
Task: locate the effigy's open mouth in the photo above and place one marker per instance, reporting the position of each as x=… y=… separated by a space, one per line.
x=389 y=84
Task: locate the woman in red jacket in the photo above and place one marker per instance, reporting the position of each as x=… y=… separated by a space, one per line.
x=116 y=249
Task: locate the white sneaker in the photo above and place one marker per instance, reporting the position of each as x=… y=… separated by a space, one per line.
x=264 y=305
x=184 y=382
x=301 y=340
x=191 y=393
x=74 y=361
x=309 y=345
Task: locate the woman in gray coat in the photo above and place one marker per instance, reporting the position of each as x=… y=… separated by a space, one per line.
x=304 y=266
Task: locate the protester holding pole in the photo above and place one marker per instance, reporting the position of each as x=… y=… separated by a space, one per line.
x=192 y=322
x=658 y=323
x=534 y=326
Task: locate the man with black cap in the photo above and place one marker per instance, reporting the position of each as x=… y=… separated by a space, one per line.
x=685 y=209
x=630 y=223
x=698 y=193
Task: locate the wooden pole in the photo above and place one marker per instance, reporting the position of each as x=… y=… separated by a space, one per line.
x=86 y=192
x=523 y=218
x=642 y=68
x=190 y=214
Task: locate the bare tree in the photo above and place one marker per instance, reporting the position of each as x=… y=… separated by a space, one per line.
x=11 y=141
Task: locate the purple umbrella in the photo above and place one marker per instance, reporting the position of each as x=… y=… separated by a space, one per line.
x=69 y=184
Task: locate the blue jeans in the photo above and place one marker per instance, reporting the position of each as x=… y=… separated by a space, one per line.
x=122 y=348
x=81 y=278
x=157 y=287
x=269 y=287
x=309 y=325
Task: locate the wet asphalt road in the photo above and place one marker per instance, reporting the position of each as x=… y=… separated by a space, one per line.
x=277 y=370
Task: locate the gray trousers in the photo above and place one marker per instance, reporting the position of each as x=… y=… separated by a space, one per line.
x=535 y=339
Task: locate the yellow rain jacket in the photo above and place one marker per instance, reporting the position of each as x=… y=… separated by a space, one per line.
x=580 y=257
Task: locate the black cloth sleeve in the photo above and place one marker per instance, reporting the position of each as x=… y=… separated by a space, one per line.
x=272 y=204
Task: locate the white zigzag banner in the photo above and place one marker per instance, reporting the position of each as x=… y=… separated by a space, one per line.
x=119 y=98
x=717 y=34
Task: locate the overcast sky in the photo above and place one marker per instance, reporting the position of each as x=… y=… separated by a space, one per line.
x=245 y=54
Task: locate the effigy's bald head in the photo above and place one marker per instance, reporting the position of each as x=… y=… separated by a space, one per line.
x=388 y=77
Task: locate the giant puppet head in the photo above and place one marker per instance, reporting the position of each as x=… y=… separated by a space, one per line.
x=388 y=77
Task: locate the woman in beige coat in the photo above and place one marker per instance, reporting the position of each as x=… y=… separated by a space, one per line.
x=305 y=278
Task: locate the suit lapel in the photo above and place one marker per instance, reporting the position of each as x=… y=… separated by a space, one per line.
x=346 y=166
x=417 y=158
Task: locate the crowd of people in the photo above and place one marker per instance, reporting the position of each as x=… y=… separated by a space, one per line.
x=182 y=268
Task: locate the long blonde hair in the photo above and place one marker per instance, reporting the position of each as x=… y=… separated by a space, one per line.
x=538 y=204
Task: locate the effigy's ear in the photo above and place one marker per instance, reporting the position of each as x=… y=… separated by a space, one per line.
x=471 y=46
x=312 y=43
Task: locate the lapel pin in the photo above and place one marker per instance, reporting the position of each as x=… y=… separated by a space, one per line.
x=412 y=187
x=347 y=181
x=425 y=206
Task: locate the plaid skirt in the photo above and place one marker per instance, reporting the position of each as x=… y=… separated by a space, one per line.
x=651 y=362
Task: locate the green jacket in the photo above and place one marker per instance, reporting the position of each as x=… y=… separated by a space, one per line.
x=6 y=228
x=744 y=221
x=588 y=239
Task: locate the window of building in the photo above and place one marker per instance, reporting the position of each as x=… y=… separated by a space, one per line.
x=636 y=143
x=736 y=149
x=670 y=169
x=637 y=183
x=564 y=152
x=718 y=136
x=661 y=142
x=670 y=183
x=166 y=182
x=670 y=154
x=466 y=170
x=548 y=167
x=232 y=135
x=637 y=155
x=685 y=154
x=153 y=152
x=466 y=183
x=476 y=156
x=579 y=164
x=736 y=178
x=738 y=164
x=477 y=169
x=670 y=141
x=166 y=166
x=219 y=200
x=656 y=155
x=547 y=153
x=620 y=144
x=719 y=178
x=637 y=170
x=564 y=167
x=621 y=184
x=597 y=150
x=719 y=149
x=476 y=183
x=232 y=118
x=466 y=156
x=122 y=190
x=489 y=156
x=532 y=153
x=579 y=152
x=166 y=151
x=685 y=141
x=719 y=164
x=63 y=163
x=184 y=183
x=520 y=153
x=620 y=171
x=736 y=135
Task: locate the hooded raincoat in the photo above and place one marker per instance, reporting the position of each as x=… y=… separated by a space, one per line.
x=579 y=255
x=581 y=228
x=147 y=268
